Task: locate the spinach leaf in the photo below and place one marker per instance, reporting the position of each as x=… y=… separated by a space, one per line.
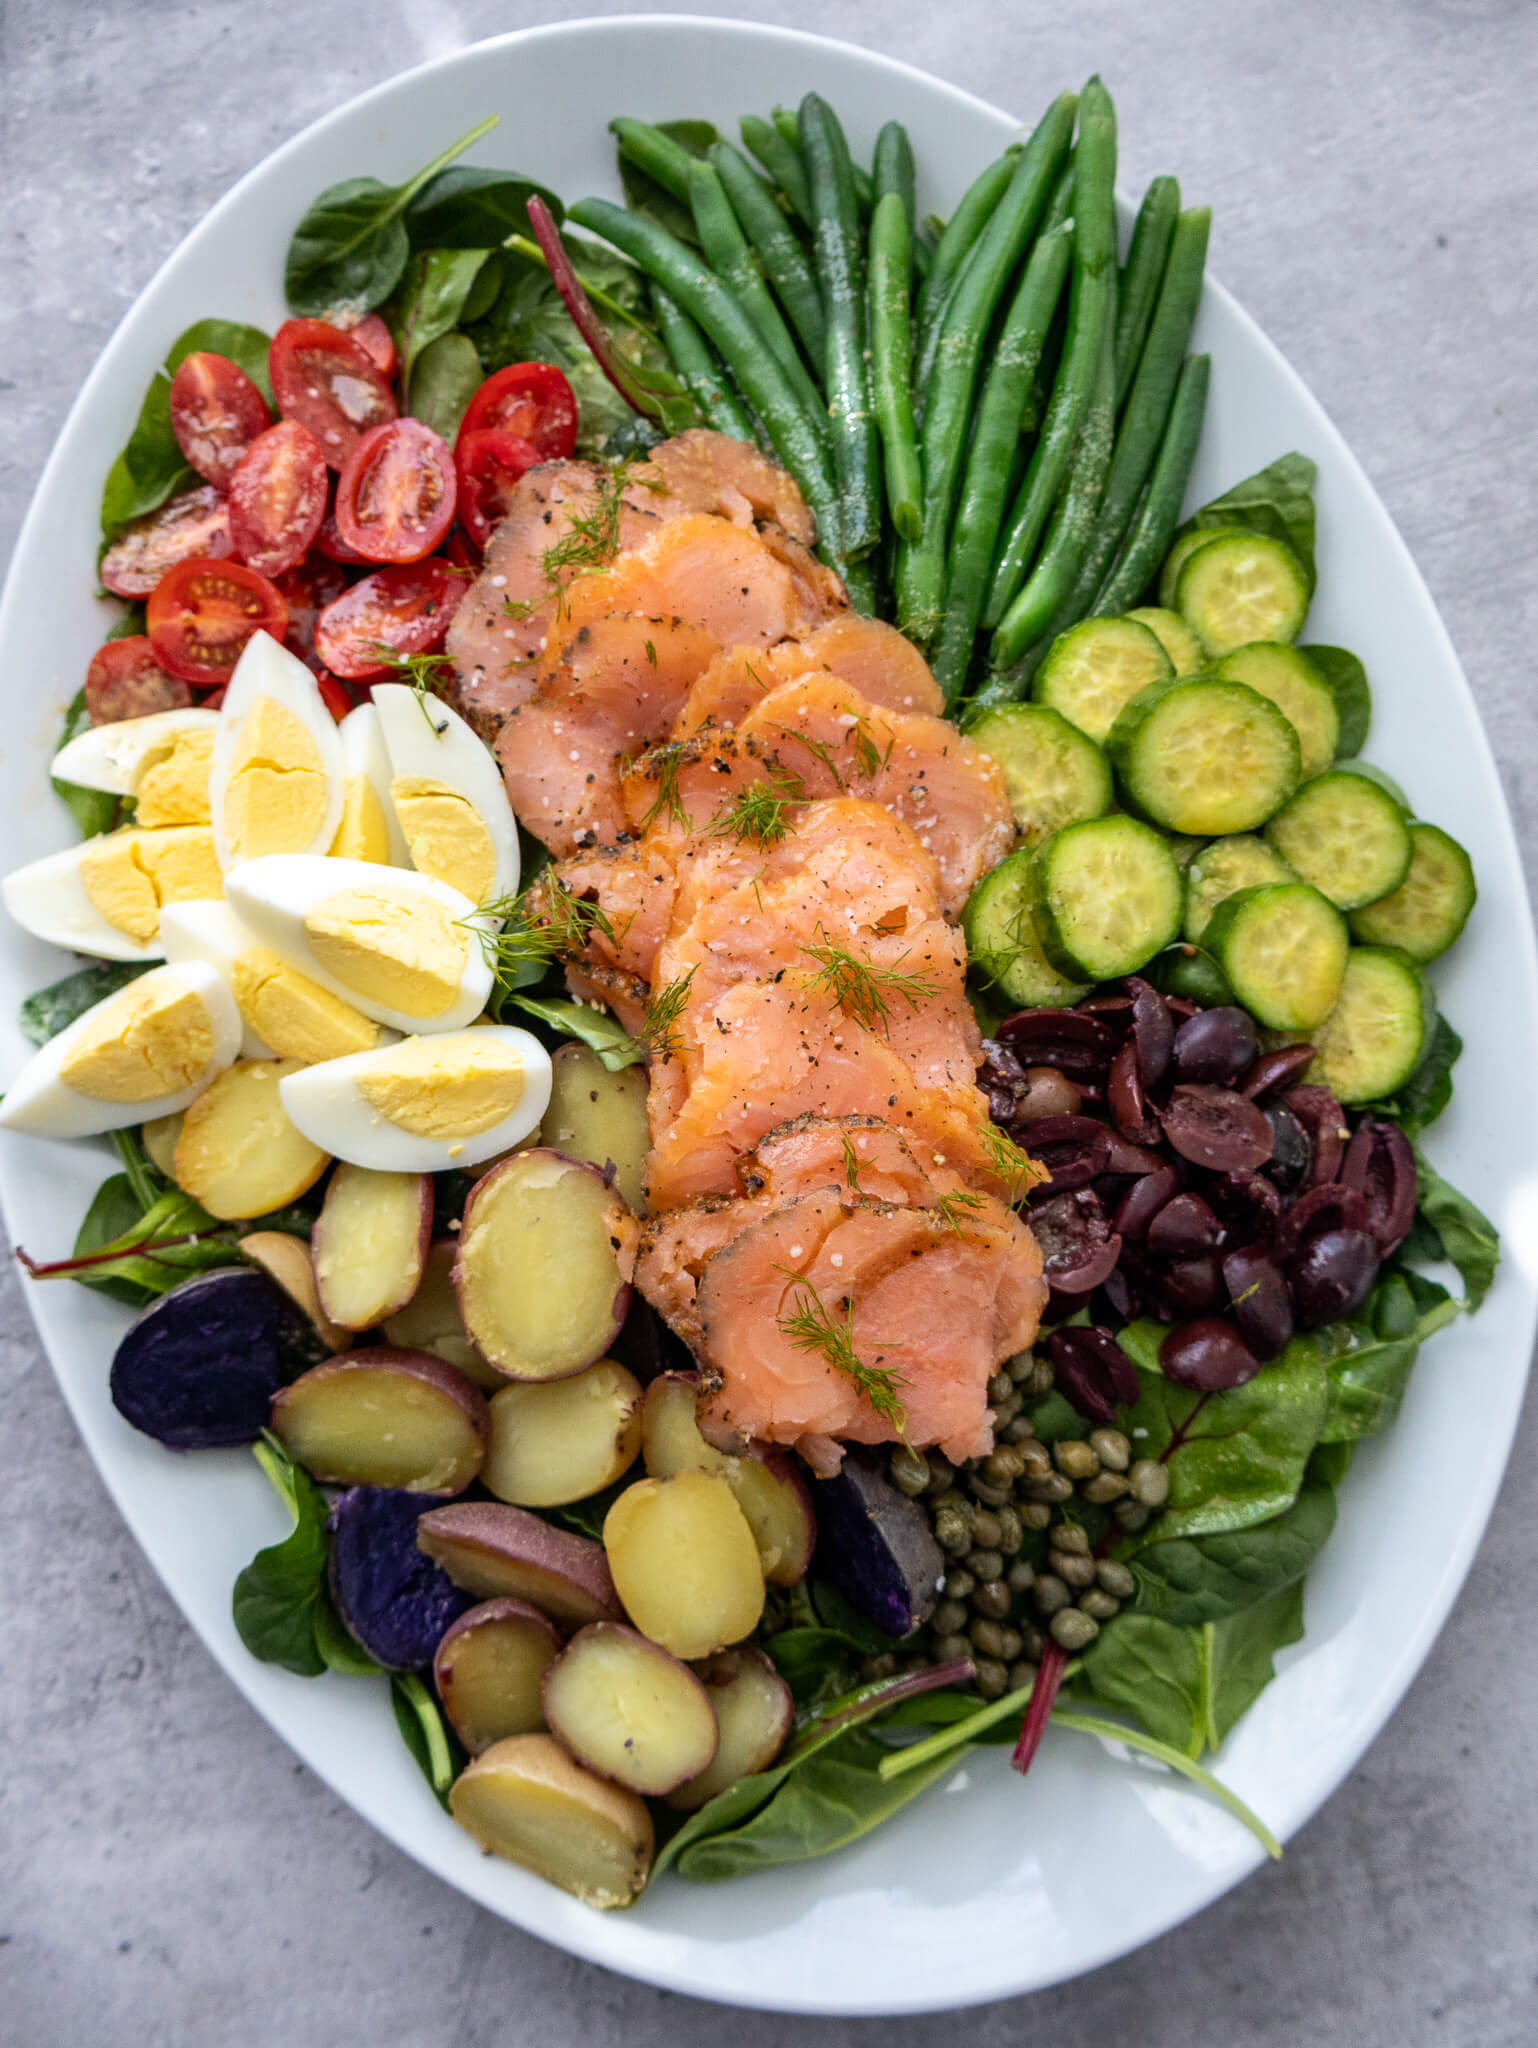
x=446 y=378
x=1235 y=1458
x=644 y=195
x=1328 y=1464
x=246 y=347
x=93 y=810
x=135 y=1254
x=1451 y=1228
x=1237 y=1657
x=351 y=246
x=431 y=300
x=816 y=1663
x=1191 y=1580
x=1348 y=683
x=44 y=1013
x=1152 y=1671
x=473 y=208
x=433 y=1744
x=114 y=1211
x=613 y=1045
x=277 y=1595
x=1278 y=500
x=337 y=1647
x=1369 y=1359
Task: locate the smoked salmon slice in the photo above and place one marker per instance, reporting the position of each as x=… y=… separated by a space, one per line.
x=869 y=655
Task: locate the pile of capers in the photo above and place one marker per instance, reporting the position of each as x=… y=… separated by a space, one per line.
x=997 y=1608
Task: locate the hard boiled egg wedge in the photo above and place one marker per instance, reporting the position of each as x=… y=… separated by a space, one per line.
x=277 y=782
x=105 y=895
x=285 y=1015
x=163 y=761
x=148 y=1051
x=369 y=829
x=448 y=795
x=400 y=947
x=453 y=1099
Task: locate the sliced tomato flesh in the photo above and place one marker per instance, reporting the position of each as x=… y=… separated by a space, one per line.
x=201 y=614
x=278 y=498
x=336 y=696
x=533 y=400
x=395 y=496
x=373 y=331
x=489 y=465
x=328 y=381
x=126 y=680
x=405 y=609
x=307 y=589
x=194 y=523
x=216 y=413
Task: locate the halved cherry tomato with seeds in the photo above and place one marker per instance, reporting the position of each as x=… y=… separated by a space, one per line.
x=307 y=590
x=328 y=381
x=489 y=465
x=395 y=496
x=201 y=614
x=336 y=696
x=194 y=523
x=278 y=498
x=329 y=542
x=125 y=680
x=374 y=333
x=216 y=413
x=533 y=400
x=406 y=609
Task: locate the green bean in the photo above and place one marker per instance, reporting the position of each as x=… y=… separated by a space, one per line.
x=996 y=434
x=838 y=253
x=702 y=375
x=891 y=352
x=957 y=237
x=780 y=160
x=893 y=172
x=1154 y=528
x=1142 y=275
x=707 y=301
x=923 y=257
x=963 y=336
x=655 y=153
x=788 y=122
x=729 y=256
x=860 y=582
x=780 y=253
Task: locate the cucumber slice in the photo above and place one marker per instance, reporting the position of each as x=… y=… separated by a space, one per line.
x=1345 y=833
x=1181 y=551
x=1055 y=775
x=1205 y=756
x=1174 y=636
x=1282 y=949
x=1346 y=676
x=1105 y=897
x=1371 y=1042
x=1002 y=944
x=1431 y=905
x=1242 y=587
x=1095 y=668
x=1298 y=691
x=1221 y=869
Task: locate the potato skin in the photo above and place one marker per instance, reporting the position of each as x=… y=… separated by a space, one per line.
x=525 y=1799
x=294 y=1408
x=541 y=1638
x=754 y=1712
x=287 y=1260
x=393 y=1601
x=493 y=1550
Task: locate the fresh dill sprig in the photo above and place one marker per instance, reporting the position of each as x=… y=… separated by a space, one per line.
x=811 y=1326
x=852 y=1166
x=949 y=1206
x=545 y=923
x=656 y=1040
x=758 y=813
x=651 y=652
x=661 y=765
x=425 y=674
x=1018 y=1172
x=591 y=541
x=869 y=758
x=861 y=989
x=818 y=749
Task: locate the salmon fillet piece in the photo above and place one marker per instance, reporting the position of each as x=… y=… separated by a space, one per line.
x=871 y=656
x=633 y=886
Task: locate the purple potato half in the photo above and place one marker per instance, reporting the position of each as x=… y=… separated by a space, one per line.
x=395 y=1602
x=876 y=1546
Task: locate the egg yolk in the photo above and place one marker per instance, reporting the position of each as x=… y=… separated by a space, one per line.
x=445 y=835
x=453 y=1087
x=406 y=954
x=298 y=1018
x=275 y=799
x=172 y=788
x=128 y=876
x=146 y=1042
x=363 y=833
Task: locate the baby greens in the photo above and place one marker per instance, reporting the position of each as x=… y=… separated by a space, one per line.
x=93 y=810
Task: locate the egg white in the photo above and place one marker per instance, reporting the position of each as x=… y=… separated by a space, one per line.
x=364 y=753
x=112 y=757
x=211 y=933
x=266 y=669
x=424 y=737
x=47 y=898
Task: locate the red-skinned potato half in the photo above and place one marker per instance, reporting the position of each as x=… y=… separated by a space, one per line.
x=124 y=680
x=685 y=1563
x=490 y=1671
x=194 y=523
x=328 y=381
x=278 y=498
x=754 y=1711
x=769 y=1488
x=628 y=1709
x=495 y=1551
x=216 y=413
x=556 y=1441
x=488 y=466
x=395 y=497
x=406 y=608
x=370 y=1243
x=384 y=1417
x=201 y=614
x=526 y=1799
x=533 y=401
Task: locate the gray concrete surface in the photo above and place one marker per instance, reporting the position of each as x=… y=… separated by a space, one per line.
x=168 y=1873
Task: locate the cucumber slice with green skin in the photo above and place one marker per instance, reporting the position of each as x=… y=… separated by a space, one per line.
x=1095 y=668
x=1345 y=833
x=1055 y=774
x=1282 y=949
x=1205 y=756
x=1181 y=551
x=1220 y=870
x=1002 y=944
x=1105 y=897
x=1298 y=691
x=1185 y=651
x=1353 y=695
x=1242 y=587
x=1431 y=905
x=1372 y=1040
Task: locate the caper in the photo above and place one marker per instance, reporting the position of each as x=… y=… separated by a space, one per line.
x=910 y=1472
x=1021 y=1576
x=985 y=1565
x=1055 y=1487
x=1010 y=1644
x=1098 y=1604
x=948 y=1618
x=1011 y=1535
x=1020 y=1367
x=1050 y=1593
x=1021 y=1675
x=1004 y=1465
x=990 y=1495
x=1150 y=1483
x=951 y=1497
x=1032 y=1643
x=1070 y=1539
x=1105 y=1487
x=959 y=1584
x=1115 y=1578
x=953 y=1532
x=949 y=1648
x=1035 y=1460
x=1073 y=1570
x=1111 y=1448
x=1006 y=1410
x=992 y=1678
x=986 y=1530
x=1035 y=1514
x=1073 y=1629
x=1041 y=1380
x=987 y=1638
x=1020 y=1430
x=993 y=1600
x=1130 y=1516
x=1075 y=1460
x=999 y=1386
x=941 y=1471
x=879 y=1667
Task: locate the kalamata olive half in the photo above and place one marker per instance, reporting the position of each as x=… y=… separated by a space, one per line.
x=1077 y=1044
x=1073 y=1149
x=1380 y=1167
x=1332 y=1276
x=1325 y=1122
x=1194 y=1287
x=1092 y=1371
x=1127 y=1158
x=1078 y=1248
x=1279 y=1069
x=1215 y=1128
x=1248 y=1205
x=1215 y=1045
x=1183 y=1227
x=1047 y=1091
x=1258 y=1301
x=1292 y=1151
x=1207 y=1356
x=1126 y=1101
x=1333 y=1207
x=1153 y=1030
x=1142 y=1202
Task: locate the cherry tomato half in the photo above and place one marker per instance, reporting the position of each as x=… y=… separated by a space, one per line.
x=196 y=522
x=329 y=542
x=278 y=498
x=201 y=614
x=336 y=696
x=125 y=680
x=489 y=465
x=406 y=608
x=328 y=382
x=530 y=399
x=216 y=413
x=374 y=333
x=395 y=496
x=307 y=590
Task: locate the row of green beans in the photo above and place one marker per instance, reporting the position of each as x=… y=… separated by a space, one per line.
x=992 y=420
